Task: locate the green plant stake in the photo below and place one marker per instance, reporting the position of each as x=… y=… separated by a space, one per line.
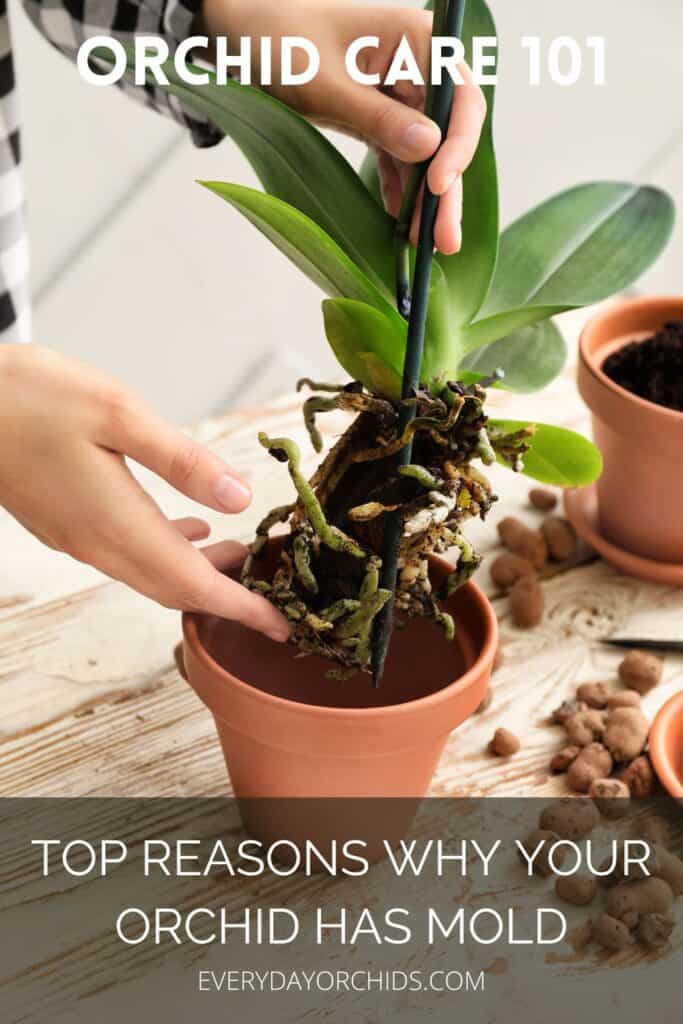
x=417 y=306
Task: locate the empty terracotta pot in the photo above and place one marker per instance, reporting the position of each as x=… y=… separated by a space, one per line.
x=640 y=492
x=288 y=731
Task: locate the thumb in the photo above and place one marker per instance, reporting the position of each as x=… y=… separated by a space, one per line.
x=389 y=124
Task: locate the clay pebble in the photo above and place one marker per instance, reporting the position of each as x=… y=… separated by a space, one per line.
x=504 y=743
x=527 y=602
x=640 y=671
x=559 y=537
x=542 y=499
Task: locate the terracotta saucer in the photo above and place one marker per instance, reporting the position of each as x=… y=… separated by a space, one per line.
x=581 y=508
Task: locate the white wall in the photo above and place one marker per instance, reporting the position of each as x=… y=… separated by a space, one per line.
x=136 y=269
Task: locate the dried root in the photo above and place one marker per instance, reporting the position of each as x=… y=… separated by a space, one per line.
x=276 y=515
x=327 y=577
x=511 y=447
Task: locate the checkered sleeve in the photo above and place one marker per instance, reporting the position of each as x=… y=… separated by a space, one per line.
x=68 y=23
x=15 y=307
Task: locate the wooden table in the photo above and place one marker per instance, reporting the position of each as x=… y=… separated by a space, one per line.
x=92 y=703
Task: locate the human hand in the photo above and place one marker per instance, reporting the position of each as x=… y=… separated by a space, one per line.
x=65 y=430
x=392 y=121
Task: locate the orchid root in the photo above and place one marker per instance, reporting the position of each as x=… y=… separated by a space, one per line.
x=301 y=549
x=443 y=619
x=468 y=562
x=422 y=476
x=512 y=447
x=285 y=450
x=276 y=515
x=312 y=406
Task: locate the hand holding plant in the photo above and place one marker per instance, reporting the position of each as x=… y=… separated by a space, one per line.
x=392 y=120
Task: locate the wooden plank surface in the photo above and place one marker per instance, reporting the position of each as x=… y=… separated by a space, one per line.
x=93 y=705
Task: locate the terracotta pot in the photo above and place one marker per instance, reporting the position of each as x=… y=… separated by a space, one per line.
x=288 y=731
x=666 y=745
x=640 y=492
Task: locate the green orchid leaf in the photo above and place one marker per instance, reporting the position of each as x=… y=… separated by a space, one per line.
x=557 y=456
x=503 y=325
x=579 y=247
x=296 y=163
x=530 y=358
x=441 y=344
x=369 y=175
x=469 y=272
x=304 y=243
x=368 y=344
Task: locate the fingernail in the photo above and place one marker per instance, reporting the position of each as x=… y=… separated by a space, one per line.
x=278 y=635
x=232 y=494
x=419 y=140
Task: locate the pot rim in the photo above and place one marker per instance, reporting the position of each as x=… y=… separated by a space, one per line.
x=484 y=659
x=590 y=363
x=664 y=719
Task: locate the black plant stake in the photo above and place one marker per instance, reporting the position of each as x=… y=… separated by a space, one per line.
x=415 y=308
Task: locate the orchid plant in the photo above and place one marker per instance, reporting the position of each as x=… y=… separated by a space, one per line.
x=489 y=324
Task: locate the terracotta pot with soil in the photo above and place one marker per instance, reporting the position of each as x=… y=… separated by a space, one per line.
x=288 y=731
x=630 y=377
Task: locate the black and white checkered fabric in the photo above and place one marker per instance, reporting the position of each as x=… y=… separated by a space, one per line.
x=66 y=24
x=15 y=310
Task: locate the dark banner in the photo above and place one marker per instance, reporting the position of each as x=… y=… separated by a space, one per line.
x=492 y=910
